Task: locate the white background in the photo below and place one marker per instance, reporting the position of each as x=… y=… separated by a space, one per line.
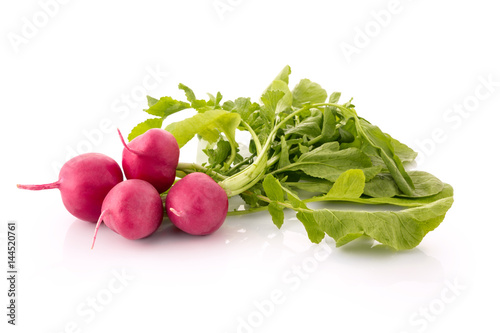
x=409 y=75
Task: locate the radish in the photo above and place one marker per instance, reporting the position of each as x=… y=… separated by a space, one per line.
x=133 y=209
x=84 y=182
x=196 y=204
x=153 y=157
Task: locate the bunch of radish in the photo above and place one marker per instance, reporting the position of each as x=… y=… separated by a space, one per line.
x=92 y=189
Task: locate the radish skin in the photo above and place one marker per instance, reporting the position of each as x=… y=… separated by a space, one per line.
x=196 y=204
x=84 y=181
x=133 y=209
x=153 y=157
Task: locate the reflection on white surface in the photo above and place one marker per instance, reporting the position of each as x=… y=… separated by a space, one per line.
x=225 y=277
x=250 y=261
x=250 y=237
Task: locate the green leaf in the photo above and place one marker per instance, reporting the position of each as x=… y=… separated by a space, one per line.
x=314 y=231
x=329 y=163
x=284 y=101
x=308 y=92
x=400 y=230
x=376 y=138
x=276 y=98
x=425 y=184
x=396 y=201
x=208 y=125
x=151 y=101
x=384 y=185
x=323 y=152
x=381 y=186
x=214 y=101
x=228 y=106
x=141 y=128
x=277 y=214
x=166 y=106
x=318 y=186
x=273 y=190
x=334 y=97
x=304 y=149
x=199 y=105
x=293 y=198
x=310 y=126
x=219 y=154
x=270 y=99
x=284 y=155
x=447 y=192
x=251 y=198
x=350 y=184
x=243 y=106
x=405 y=153
x=348 y=135
x=284 y=74
x=189 y=93
x=329 y=130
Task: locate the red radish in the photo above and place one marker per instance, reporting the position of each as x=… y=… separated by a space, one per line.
x=196 y=204
x=133 y=209
x=153 y=157
x=84 y=182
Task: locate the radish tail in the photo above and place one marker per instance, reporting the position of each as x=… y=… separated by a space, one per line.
x=39 y=187
x=133 y=151
x=97 y=227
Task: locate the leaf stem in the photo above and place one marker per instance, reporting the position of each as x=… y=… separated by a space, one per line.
x=246 y=211
x=235 y=167
x=294 y=165
x=256 y=140
x=193 y=167
x=367 y=201
x=233 y=145
x=252 y=174
x=284 y=204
